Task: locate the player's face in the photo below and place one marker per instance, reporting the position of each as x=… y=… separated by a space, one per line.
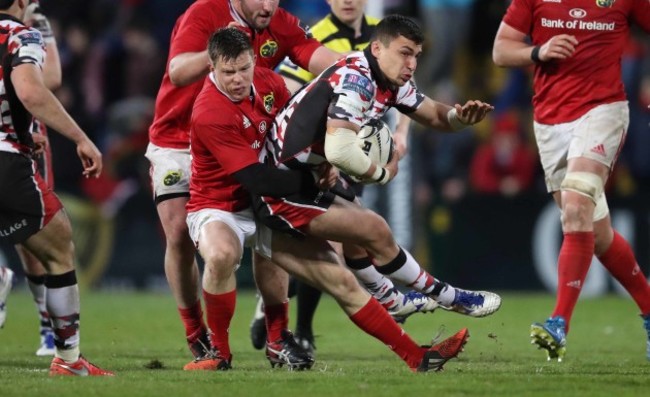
x=348 y=11
x=235 y=76
x=258 y=13
x=398 y=60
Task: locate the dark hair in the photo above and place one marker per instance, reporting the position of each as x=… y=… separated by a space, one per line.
x=393 y=26
x=6 y=4
x=228 y=43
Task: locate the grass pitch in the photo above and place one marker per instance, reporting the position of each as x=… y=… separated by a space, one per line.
x=141 y=338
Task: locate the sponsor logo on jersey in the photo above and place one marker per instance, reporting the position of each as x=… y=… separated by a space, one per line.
x=578 y=13
x=172 y=178
x=247 y=122
x=578 y=24
x=256 y=145
x=262 y=127
x=269 y=100
x=268 y=49
x=30 y=38
x=605 y=3
x=359 y=84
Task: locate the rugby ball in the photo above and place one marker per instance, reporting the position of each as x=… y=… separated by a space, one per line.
x=376 y=141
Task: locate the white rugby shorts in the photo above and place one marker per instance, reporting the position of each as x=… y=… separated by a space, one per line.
x=598 y=135
x=242 y=224
x=170 y=170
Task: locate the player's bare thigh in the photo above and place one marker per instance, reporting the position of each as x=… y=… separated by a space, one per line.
x=314 y=261
x=219 y=243
x=349 y=222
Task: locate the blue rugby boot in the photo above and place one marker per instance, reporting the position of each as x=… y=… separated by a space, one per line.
x=550 y=336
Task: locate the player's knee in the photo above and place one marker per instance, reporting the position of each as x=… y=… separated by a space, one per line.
x=378 y=230
x=344 y=285
x=578 y=209
x=576 y=216
x=220 y=260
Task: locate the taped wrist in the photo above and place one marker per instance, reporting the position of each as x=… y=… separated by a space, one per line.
x=381 y=175
x=342 y=151
x=454 y=122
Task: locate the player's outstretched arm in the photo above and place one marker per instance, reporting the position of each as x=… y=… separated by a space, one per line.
x=443 y=117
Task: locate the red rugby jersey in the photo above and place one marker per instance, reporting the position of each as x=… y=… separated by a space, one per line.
x=565 y=90
x=228 y=136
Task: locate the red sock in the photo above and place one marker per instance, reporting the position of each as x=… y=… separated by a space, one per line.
x=375 y=320
x=220 y=309
x=277 y=319
x=619 y=260
x=572 y=267
x=192 y=320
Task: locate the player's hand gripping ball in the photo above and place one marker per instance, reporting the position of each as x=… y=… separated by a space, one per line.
x=376 y=141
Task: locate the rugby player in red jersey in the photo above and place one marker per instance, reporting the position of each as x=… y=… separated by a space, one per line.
x=581 y=118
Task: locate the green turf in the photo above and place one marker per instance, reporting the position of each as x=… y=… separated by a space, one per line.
x=125 y=332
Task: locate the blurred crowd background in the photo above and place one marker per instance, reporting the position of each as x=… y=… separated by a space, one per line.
x=473 y=208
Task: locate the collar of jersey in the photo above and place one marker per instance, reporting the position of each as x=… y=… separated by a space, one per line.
x=4 y=16
x=379 y=77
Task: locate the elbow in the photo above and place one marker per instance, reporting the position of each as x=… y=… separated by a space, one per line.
x=497 y=58
x=174 y=77
x=175 y=74
x=30 y=100
x=496 y=54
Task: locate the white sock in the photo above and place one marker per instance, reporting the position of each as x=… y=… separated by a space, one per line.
x=379 y=286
